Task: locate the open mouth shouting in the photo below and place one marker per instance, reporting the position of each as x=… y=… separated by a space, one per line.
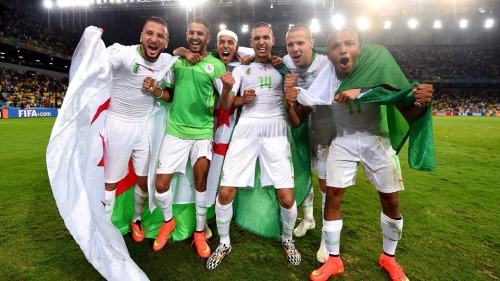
x=344 y=64
x=152 y=48
x=296 y=58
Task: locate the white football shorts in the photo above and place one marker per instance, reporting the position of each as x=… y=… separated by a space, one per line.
x=175 y=152
x=259 y=139
x=123 y=140
x=378 y=158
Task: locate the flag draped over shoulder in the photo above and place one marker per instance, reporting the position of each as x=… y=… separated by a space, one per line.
x=375 y=68
x=74 y=154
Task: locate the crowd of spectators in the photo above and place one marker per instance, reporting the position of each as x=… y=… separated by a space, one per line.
x=448 y=62
x=31 y=31
x=467 y=100
x=27 y=89
x=435 y=64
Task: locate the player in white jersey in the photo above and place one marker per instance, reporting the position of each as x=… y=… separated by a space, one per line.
x=362 y=139
x=304 y=65
x=230 y=53
x=261 y=134
x=125 y=131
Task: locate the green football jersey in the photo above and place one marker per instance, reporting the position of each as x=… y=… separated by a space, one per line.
x=195 y=85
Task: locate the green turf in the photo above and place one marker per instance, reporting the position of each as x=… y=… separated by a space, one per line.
x=451 y=231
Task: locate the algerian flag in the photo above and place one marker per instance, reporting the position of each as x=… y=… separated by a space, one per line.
x=375 y=68
x=73 y=156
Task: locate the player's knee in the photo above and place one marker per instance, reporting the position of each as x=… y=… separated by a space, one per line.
x=142 y=182
x=162 y=186
x=287 y=201
x=226 y=195
x=200 y=184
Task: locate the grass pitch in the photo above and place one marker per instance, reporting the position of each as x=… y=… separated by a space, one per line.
x=451 y=231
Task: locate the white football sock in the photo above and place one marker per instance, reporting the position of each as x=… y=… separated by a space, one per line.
x=109 y=203
x=140 y=198
x=164 y=201
x=391 y=232
x=201 y=210
x=288 y=219
x=223 y=215
x=331 y=234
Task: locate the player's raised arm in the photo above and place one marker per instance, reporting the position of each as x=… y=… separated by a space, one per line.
x=227 y=98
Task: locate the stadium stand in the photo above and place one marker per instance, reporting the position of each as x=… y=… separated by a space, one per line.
x=466 y=78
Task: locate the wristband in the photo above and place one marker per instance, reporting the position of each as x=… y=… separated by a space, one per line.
x=159 y=97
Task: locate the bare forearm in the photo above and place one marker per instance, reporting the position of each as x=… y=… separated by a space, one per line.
x=181 y=51
x=296 y=113
x=226 y=100
x=238 y=101
x=412 y=112
x=165 y=94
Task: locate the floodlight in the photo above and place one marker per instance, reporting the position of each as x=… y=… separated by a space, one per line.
x=413 y=23
x=338 y=21
x=489 y=23
x=387 y=24
x=463 y=23
x=191 y=3
x=315 y=25
x=244 y=28
x=363 y=23
x=222 y=26
x=48 y=4
x=437 y=24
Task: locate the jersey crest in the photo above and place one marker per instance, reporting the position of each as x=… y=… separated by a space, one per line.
x=209 y=68
x=136 y=68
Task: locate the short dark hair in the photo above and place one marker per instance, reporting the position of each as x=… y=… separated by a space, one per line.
x=262 y=24
x=159 y=21
x=201 y=20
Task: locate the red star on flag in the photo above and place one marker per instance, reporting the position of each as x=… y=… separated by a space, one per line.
x=223 y=116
